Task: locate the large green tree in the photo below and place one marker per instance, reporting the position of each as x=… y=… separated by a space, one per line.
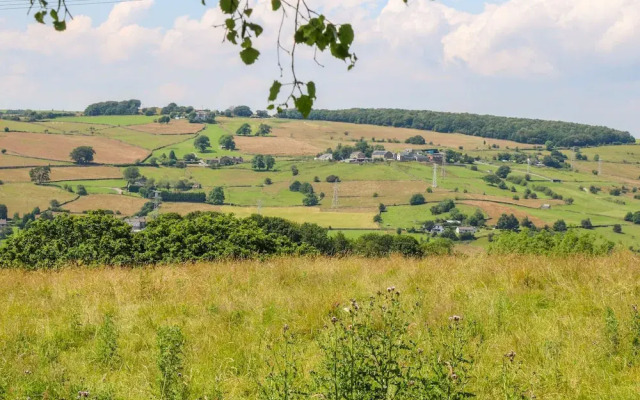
x=258 y=162
x=244 y=130
x=216 y=196
x=227 y=142
x=40 y=175
x=263 y=130
x=131 y=174
x=202 y=143
x=82 y=154
x=508 y=222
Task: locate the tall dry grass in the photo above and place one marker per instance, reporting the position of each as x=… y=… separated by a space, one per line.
x=551 y=312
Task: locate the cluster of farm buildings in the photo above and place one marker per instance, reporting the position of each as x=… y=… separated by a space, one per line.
x=358 y=157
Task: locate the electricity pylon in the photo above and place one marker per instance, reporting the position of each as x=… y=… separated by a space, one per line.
x=435 y=176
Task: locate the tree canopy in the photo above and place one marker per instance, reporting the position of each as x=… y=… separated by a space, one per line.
x=523 y=130
x=125 y=107
x=202 y=143
x=40 y=175
x=82 y=154
x=227 y=142
x=244 y=130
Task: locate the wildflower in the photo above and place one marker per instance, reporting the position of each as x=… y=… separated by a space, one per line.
x=346 y=309
x=511 y=355
x=285 y=328
x=455 y=318
x=635 y=307
x=334 y=320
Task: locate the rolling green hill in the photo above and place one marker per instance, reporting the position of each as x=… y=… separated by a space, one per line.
x=575 y=193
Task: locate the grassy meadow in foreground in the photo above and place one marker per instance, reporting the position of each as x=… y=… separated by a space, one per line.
x=569 y=321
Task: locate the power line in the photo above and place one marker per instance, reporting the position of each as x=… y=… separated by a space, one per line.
x=74 y=3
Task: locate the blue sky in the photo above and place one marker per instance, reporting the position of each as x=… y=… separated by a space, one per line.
x=575 y=60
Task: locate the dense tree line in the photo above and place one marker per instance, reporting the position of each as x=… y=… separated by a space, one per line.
x=126 y=107
x=101 y=239
x=31 y=115
x=532 y=131
x=185 y=197
x=551 y=243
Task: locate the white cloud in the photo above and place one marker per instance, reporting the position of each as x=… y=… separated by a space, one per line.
x=509 y=58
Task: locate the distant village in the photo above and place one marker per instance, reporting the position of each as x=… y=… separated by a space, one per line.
x=358 y=157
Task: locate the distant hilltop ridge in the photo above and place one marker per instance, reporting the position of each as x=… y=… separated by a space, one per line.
x=522 y=130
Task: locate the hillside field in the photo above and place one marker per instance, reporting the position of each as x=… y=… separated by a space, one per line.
x=570 y=322
x=123 y=140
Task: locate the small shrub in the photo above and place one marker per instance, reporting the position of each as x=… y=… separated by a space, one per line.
x=310 y=200
x=560 y=226
x=612 y=330
x=332 y=179
x=295 y=186
x=417 y=199
x=369 y=349
x=171 y=383
x=107 y=342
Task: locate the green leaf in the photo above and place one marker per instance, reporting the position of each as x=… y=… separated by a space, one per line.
x=257 y=29
x=246 y=43
x=230 y=23
x=311 y=89
x=339 y=51
x=275 y=4
x=39 y=16
x=274 y=91
x=60 y=25
x=248 y=12
x=345 y=34
x=229 y=6
x=249 y=55
x=298 y=37
x=231 y=36
x=304 y=104
x=54 y=15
